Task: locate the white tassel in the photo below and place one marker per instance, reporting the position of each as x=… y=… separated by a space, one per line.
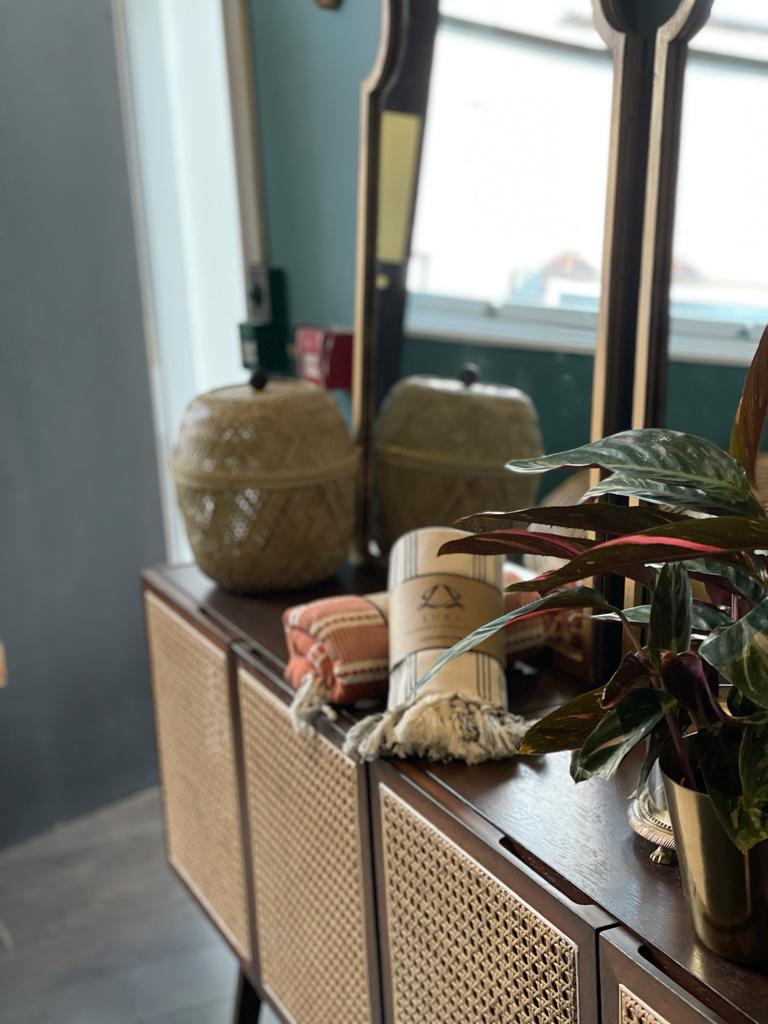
x=439 y=727
x=309 y=702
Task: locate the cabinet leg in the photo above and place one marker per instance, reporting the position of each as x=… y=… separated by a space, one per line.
x=247 y=1002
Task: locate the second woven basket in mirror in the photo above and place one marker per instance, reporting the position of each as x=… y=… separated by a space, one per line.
x=440 y=447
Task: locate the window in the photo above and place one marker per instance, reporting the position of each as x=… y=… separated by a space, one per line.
x=508 y=233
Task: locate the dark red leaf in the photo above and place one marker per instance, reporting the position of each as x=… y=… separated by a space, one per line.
x=688 y=678
x=750 y=415
x=630 y=671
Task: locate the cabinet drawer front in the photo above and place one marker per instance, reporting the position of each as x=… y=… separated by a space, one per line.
x=635 y=991
x=190 y=682
x=633 y=1010
x=462 y=945
x=308 y=829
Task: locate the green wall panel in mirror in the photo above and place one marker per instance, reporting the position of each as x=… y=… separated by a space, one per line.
x=308 y=68
x=702 y=397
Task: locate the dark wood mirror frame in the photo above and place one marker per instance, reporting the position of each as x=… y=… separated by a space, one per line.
x=629 y=383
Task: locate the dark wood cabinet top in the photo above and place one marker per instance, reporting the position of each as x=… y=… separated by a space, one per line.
x=576 y=836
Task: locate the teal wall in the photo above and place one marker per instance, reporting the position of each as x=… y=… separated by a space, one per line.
x=309 y=64
x=560 y=385
x=702 y=399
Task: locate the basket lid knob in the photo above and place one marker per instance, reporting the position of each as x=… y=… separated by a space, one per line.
x=469 y=374
x=259 y=379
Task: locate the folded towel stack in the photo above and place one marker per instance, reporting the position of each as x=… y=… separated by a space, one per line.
x=338 y=647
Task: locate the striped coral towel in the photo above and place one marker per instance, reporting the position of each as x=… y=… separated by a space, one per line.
x=338 y=647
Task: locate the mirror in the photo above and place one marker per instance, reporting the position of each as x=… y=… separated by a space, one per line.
x=505 y=261
x=515 y=208
x=718 y=294
x=491 y=160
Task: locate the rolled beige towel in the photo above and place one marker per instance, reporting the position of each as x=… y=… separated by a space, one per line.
x=462 y=711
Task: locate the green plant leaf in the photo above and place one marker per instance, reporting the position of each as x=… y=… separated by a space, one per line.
x=657 y=742
x=647 y=489
x=566 y=728
x=743 y=711
x=722 y=755
x=740 y=653
x=704 y=617
x=732 y=579
x=631 y=671
x=599 y=517
x=753 y=770
x=578 y=597
x=750 y=415
x=671 y=613
x=510 y=542
x=660 y=466
x=620 y=731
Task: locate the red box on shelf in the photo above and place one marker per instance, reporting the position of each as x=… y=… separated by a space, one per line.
x=324 y=356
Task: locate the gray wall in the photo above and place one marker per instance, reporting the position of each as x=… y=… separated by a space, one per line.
x=79 y=498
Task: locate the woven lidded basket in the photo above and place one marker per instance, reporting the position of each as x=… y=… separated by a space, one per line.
x=440 y=447
x=265 y=477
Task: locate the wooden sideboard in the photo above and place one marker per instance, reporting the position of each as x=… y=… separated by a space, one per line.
x=403 y=891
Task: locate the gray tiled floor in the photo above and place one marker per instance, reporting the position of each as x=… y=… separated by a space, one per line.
x=95 y=930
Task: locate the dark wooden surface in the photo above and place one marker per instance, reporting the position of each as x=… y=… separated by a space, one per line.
x=623 y=963
x=575 y=836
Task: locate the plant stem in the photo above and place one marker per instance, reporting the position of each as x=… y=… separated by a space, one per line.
x=630 y=635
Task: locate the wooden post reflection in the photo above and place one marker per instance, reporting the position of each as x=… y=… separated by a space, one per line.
x=650 y=375
x=625 y=200
x=394 y=99
x=363 y=369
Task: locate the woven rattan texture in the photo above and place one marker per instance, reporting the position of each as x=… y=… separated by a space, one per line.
x=411 y=497
x=308 y=869
x=255 y=538
x=634 y=1011
x=197 y=767
x=463 y=948
x=266 y=485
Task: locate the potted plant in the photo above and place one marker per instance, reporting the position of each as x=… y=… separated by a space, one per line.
x=693 y=683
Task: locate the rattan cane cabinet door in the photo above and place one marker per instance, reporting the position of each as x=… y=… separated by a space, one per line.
x=195 y=741
x=310 y=854
x=635 y=991
x=467 y=936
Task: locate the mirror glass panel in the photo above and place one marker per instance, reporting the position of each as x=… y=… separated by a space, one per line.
x=506 y=253
x=719 y=288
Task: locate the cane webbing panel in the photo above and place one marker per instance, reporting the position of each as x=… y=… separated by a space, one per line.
x=308 y=869
x=197 y=767
x=634 y=1011
x=462 y=946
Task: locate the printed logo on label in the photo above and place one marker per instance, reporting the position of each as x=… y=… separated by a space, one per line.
x=441 y=596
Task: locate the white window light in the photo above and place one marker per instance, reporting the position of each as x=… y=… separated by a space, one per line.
x=520 y=254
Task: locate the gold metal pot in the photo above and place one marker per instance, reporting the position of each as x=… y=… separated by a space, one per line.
x=727 y=890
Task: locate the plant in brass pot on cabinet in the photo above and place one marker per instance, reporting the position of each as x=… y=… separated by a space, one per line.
x=693 y=684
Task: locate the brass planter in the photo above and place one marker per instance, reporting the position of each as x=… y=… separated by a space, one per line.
x=727 y=890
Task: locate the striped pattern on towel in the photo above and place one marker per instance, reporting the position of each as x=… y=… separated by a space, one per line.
x=343 y=642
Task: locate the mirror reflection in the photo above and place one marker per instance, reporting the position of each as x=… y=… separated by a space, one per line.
x=505 y=261
x=719 y=289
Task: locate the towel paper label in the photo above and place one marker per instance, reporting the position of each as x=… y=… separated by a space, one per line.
x=438 y=610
